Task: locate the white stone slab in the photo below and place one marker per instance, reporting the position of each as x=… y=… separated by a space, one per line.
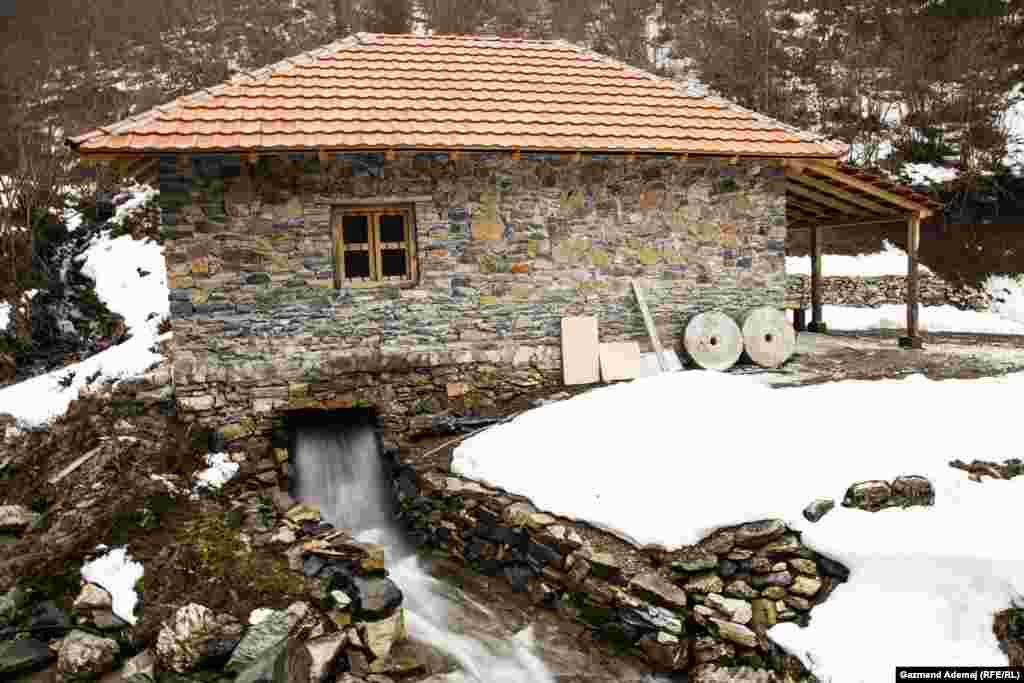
x=580 y=350
x=620 y=360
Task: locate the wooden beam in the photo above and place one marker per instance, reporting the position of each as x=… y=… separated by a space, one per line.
x=516 y=154
x=807 y=180
x=891 y=197
x=577 y=157
x=913 y=339
x=817 y=317
x=455 y=154
x=806 y=208
x=321 y=155
x=652 y=331
x=390 y=155
x=254 y=158
x=854 y=224
x=824 y=199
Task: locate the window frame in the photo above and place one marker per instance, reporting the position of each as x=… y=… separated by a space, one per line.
x=374 y=245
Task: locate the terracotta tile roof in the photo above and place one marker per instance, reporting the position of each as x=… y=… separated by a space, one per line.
x=454 y=92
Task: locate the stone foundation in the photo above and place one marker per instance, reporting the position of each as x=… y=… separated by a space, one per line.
x=701 y=609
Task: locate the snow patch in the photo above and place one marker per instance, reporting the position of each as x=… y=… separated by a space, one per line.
x=220 y=471
x=924 y=580
x=930 y=319
x=1007 y=292
x=890 y=261
x=927 y=174
x=5 y=315
x=118 y=574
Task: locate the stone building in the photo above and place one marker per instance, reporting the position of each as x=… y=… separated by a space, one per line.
x=401 y=222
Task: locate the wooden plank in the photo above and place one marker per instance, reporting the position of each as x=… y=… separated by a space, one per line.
x=866 y=187
x=824 y=199
x=580 y=351
x=807 y=180
x=74 y=465
x=913 y=241
x=652 y=331
x=619 y=361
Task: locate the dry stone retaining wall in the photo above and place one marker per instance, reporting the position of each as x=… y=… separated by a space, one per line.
x=886 y=289
x=702 y=608
x=506 y=248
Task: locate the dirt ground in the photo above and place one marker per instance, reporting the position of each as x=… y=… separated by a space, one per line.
x=876 y=355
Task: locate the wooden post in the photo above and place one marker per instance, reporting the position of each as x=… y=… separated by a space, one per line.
x=817 y=323
x=912 y=340
x=652 y=331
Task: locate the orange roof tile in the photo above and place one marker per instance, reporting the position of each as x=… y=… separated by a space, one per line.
x=454 y=92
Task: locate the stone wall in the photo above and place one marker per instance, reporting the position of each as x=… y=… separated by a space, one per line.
x=506 y=248
x=703 y=609
x=886 y=289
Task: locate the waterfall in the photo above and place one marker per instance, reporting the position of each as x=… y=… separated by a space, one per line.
x=339 y=469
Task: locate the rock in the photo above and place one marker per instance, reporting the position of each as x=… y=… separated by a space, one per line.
x=704 y=583
x=518 y=514
x=11 y=603
x=139 y=669
x=708 y=649
x=797 y=603
x=804 y=566
x=761 y=565
x=286 y=662
x=24 y=654
x=283 y=535
x=259 y=638
x=323 y=653
x=84 y=654
x=46 y=619
x=774 y=592
x=805 y=586
x=739 y=554
x=303 y=512
x=829 y=567
x=312 y=564
x=647 y=617
x=374 y=598
x=773 y=579
x=105 y=619
x=788 y=544
x=664 y=651
x=404 y=659
x=341 y=599
x=379 y=636
x=16 y=518
x=711 y=673
x=912 y=490
x=736 y=633
x=739 y=589
x=868 y=495
x=695 y=559
x=282 y=501
x=818 y=508
x=604 y=565
x=737 y=611
x=652 y=586
x=92 y=597
x=754 y=534
x=719 y=542
x=182 y=642
x=763 y=614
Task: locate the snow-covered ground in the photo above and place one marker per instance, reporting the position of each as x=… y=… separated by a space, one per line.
x=660 y=460
x=117 y=573
x=115 y=266
x=930 y=319
x=890 y=261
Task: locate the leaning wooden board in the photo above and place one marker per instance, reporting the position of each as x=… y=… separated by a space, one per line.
x=580 y=350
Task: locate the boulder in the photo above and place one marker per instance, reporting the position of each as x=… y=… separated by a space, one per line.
x=804 y=566
x=712 y=673
x=92 y=597
x=652 y=586
x=737 y=611
x=405 y=658
x=708 y=649
x=139 y=669
x=868 y=495
x=303 y=512
x=664 y=651
x=805 y=586
x=16 y=518
x=763 y=614
x=287 y=662
x=323 y=654
x=739 y=589
x=912 y=490
x=774 y=579
x=45 y=619
x=187 y=638
x=832 y=568
x=24 y=654
x=704 y=583
x=379 y=636
x=271 y=630
x=735 y=633
x=374 y=598
x=754 y=534
x=84 y=654
x=818 y=508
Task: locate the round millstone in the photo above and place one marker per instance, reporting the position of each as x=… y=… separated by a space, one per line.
x=768 y=338
x=713 y=341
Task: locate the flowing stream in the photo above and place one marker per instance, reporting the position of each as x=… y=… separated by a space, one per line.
x=338 y=468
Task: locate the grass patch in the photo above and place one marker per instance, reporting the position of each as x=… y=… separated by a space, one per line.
x=127 y=408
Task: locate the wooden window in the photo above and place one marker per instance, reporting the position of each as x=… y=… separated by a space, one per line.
x=374 y=245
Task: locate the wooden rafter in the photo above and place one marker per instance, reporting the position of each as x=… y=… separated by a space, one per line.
x=866 y=187
x=807 y=208
x=832 y=189
x=818 y=197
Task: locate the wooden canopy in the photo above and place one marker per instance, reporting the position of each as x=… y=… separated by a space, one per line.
x=820 y=195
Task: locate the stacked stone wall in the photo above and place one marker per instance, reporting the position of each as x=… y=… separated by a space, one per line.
x=505 y=249
x=703 y=609
x=885 y=289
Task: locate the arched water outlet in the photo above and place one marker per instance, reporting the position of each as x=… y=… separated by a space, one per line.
x=337 y=465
